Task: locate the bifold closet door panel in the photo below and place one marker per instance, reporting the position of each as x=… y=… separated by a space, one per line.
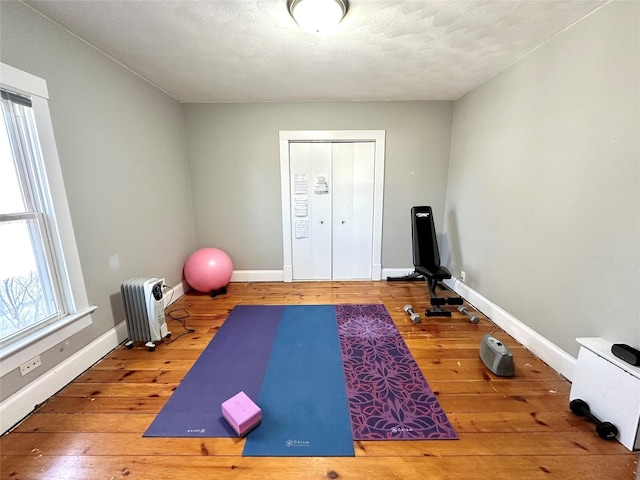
x=353 y=183
x=311 y=210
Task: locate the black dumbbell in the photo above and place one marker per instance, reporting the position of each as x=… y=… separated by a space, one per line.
x=606 y=430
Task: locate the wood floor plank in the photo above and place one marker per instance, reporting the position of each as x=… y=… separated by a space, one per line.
x=474 y=369
x=123 y=354
x=517 y=427
x=521 y=422
x=473 y=403
x=120 y=444
x=131 y=376
x=110 y=390
x=500 y=387
x=102 y=405
x=482 y=422
x=202 y=466
x=475 y=444
x=88 y=422
x=155 y=363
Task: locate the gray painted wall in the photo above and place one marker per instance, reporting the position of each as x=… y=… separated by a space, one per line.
x=543 y=205
x=234 y=161
x=123 y=157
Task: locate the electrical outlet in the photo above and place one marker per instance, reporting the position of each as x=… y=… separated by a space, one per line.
x=26 y=367
x=463 y=275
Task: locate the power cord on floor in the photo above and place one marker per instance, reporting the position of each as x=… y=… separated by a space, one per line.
x=181 y=319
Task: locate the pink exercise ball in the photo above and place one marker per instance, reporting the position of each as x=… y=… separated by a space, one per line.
x=208 y=269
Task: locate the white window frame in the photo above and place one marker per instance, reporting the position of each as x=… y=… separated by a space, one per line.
x=76 y=301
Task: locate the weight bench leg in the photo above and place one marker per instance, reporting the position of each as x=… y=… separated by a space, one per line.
x=436 y=310
x=437 y=302
x=406 y=278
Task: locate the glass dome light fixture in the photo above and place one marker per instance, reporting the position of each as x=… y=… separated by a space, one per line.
x=318 y=16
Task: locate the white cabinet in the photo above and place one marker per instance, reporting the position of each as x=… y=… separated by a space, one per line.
x=610 y=387
x=332 y=209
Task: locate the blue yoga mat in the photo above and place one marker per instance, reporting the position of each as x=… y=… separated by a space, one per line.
x=236 y=359
x=305 y=411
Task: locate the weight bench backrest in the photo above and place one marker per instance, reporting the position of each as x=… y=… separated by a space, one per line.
x=425 y=243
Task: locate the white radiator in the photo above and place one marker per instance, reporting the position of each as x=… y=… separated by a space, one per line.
x=144 y=311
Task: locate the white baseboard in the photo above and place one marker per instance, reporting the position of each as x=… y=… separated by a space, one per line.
x=16 y=407
x=257 y=276
x=379 y=273
x=547 y=351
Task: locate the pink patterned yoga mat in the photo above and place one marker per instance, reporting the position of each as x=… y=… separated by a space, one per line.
x=389 y=398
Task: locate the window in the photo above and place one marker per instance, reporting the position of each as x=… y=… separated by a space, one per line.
x=29 y=289
x=42 y=295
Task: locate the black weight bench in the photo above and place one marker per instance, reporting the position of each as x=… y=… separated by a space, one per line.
x=426 y=261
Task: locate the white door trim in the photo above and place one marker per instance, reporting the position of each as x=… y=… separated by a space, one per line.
x=376 y=136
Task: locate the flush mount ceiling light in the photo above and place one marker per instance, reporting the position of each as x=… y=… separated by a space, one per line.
x=318 y=15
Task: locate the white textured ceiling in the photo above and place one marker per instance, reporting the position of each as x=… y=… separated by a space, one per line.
x=252 y=50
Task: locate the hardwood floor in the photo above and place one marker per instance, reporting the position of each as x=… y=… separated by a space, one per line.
x=509 y=428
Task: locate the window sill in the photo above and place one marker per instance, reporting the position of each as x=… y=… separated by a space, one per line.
x=15 y=354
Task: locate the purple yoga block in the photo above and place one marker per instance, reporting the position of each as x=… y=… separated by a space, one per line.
x=241 y=413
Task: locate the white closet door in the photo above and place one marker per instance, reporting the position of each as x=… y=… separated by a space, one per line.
x=311 y=210
x=353 y=182
x=332 y=194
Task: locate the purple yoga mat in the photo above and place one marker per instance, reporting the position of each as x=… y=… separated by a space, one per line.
x=389 y=398
x=235 y=360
